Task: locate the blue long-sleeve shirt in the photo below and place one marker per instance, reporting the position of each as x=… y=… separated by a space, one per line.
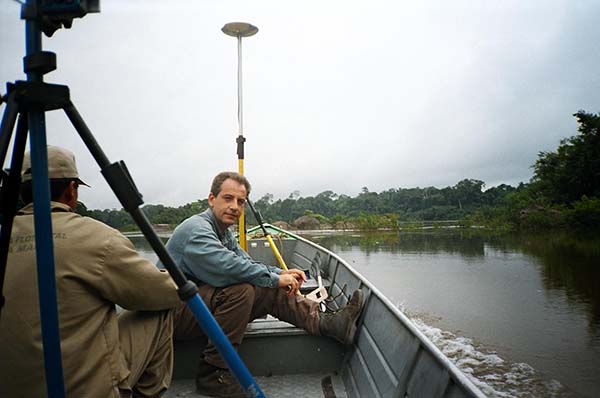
x=207 y=255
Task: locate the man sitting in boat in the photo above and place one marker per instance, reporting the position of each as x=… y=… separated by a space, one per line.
x=103 y=354
x=238 y=289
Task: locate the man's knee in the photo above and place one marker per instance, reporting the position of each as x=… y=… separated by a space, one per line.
x=239 y=294
x=243 y=291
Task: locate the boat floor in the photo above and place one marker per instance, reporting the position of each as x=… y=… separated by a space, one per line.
x=280 y=386
x=312 y=373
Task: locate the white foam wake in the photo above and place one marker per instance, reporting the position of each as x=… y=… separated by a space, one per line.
x=493 y=375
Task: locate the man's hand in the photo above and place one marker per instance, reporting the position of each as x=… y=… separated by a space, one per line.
x=297 y=273
x=288 y=282
x=292 y=280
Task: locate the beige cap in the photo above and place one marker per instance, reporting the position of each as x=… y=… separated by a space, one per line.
x=61 y=164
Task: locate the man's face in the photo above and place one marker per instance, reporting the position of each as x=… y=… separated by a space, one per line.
x=228 y=204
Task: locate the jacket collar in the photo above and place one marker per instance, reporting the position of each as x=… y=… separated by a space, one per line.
x=210 y=216
x=54 y=207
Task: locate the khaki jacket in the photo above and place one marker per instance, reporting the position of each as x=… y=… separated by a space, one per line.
x=96 y=267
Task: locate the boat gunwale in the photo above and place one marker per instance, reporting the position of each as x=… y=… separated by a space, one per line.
x=456 y=374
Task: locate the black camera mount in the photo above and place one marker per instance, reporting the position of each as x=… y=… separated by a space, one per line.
x=55 y=14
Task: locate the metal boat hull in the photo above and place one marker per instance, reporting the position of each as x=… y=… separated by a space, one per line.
x=390 y=356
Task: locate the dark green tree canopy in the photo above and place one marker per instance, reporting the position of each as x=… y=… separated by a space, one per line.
x=573 y=170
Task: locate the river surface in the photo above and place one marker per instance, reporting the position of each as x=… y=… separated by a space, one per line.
x=520 y=314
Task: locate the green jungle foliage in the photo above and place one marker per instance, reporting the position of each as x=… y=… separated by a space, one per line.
x=565 y=188
x=564 y=192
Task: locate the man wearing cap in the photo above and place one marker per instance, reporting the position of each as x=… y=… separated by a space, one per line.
x=104 y=354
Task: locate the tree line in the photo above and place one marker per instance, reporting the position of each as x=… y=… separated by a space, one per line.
x=395 y=204
x=564 y=191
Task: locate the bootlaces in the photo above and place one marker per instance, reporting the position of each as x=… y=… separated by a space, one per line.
x=329 y=302
x=225 y=377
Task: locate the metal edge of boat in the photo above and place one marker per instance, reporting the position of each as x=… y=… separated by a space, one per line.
x=455 y=373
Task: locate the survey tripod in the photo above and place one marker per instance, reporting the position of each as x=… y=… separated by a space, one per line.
x=28 y=101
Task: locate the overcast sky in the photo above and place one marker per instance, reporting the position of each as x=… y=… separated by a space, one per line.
x=338 y=95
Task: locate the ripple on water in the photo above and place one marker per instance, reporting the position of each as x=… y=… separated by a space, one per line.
x=495 y=376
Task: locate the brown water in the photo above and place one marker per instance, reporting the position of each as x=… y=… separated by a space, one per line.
x=519 y=313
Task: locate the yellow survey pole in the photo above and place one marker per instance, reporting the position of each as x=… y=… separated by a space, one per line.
x=267 y=236
x=242 y=220
x=239 y=30
x=269 y=239
x=276 y=252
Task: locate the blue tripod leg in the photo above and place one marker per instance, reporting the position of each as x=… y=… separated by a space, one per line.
x=212 y=329
x=44 y=248
x=120 y=181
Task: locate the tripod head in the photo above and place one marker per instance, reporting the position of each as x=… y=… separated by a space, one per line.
x=55 y=14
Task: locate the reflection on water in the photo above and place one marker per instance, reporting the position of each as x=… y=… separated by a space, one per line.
x=520 y=312
x=447 y=241
x=533 y=299
x=569 y=263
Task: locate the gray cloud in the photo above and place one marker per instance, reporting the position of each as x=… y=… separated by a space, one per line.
x=337 y=95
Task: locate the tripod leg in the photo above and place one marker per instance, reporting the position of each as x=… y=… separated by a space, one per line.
x=120 y=181
x=44 y=252
x=10 y=197
x=8 y=124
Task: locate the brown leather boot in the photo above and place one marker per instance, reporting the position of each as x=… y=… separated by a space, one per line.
x=217 y=382
x=341 y=324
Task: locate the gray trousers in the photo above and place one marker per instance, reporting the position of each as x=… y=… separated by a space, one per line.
x=235 y=306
